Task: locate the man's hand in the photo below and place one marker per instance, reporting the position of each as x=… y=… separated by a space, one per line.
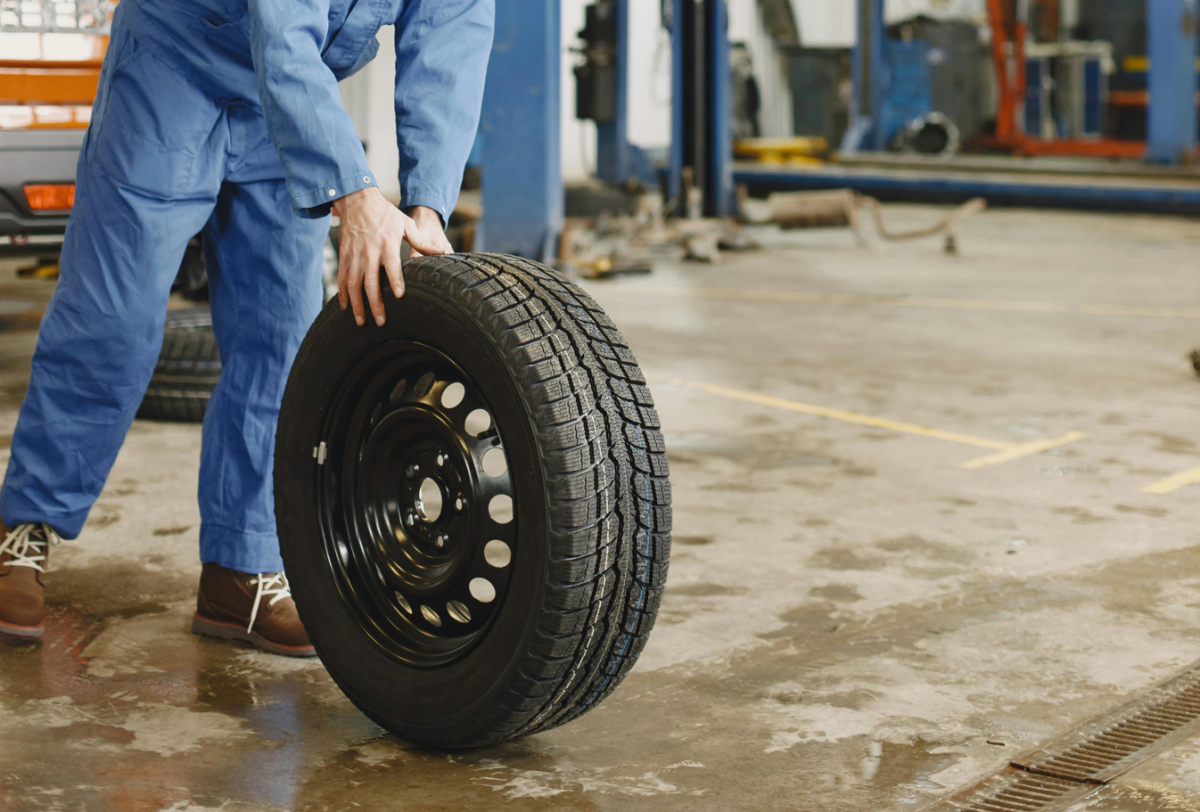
x=371 y=234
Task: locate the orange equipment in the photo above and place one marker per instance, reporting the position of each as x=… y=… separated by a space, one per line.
x=1011 y=81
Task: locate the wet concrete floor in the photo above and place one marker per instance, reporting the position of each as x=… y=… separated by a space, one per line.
x=854 y=621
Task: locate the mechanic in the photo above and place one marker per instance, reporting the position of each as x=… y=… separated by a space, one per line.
x=224 y=116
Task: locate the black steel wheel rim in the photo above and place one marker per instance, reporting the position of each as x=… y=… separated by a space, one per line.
x=416 y=504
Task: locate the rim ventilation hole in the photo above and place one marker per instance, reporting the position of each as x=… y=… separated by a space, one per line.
x=424 y=384
x=497 y=554
x=453 y=395
x=458 y=611
x=398 y=392
x=404 y=604
x=431 y=615
x=429 y=500
x=494 y=463
x=477 y=422
x=482 y=590
x=501 y=509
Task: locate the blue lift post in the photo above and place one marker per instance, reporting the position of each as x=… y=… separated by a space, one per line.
x=701 y=108
x=1171 y=34
x=868 y=73
x=523 y=192
x=616 y=158
x=724 y=194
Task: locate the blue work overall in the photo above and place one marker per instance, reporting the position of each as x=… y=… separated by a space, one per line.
x=223 y=116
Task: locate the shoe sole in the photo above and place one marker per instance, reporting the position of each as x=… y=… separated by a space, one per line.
x=231 y=631
x=24 y=632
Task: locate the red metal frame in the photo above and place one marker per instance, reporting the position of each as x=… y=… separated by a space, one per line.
x=1011 y=80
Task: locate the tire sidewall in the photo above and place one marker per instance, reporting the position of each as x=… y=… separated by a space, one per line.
x=452 y=701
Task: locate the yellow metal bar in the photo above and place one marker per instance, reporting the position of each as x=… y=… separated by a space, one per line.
x=1174 y=483
x=1024 y=450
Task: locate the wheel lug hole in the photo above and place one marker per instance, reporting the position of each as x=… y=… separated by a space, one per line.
x=441 y=459
x=441 y=541
x=413 y=470
x=458 y=503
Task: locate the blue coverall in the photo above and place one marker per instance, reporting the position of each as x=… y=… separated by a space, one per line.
x=224 y=116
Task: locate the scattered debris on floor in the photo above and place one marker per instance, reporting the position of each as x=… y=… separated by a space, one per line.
x=45 y=266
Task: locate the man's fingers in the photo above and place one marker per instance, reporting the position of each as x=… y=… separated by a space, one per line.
x=343 y=277
x=371 y=283
x=395 y=269
x=422 y=243
x=354 y=286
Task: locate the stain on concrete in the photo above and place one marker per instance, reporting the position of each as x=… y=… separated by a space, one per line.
x=838 y=593
x=844 y=558
x=1081 y=515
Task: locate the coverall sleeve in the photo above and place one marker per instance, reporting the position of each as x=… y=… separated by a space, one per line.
x=442 y=49
x=315 y=138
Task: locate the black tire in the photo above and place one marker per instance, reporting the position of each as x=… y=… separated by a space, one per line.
x=586 y=468
x=192 y=280
x=187 y=371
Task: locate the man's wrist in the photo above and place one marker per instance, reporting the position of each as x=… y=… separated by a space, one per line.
x=424 y=215
x=354 y=199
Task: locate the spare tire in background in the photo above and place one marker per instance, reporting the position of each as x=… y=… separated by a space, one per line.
x=473 y=502
x=187 y=371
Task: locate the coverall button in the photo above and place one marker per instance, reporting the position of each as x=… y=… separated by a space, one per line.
x=366 y=178
x=332 y=192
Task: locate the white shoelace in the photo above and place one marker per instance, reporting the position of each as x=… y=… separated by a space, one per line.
x=274 y=586
x=24 y=549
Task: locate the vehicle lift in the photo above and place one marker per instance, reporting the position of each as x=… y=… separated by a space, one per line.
x=523 y=191
x=1171 y=116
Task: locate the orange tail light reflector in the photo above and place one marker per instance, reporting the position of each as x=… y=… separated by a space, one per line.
x=50 y=196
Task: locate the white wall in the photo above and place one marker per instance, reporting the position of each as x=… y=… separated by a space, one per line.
x=746 y=24
x=368 y=98
x=830 y=23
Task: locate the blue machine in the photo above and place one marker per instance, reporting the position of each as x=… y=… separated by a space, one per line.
x=892 y=83
x=1037 y=96
x=1171 y=127
x=908 y=90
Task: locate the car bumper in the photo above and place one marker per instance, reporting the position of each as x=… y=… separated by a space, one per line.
x=35 y=156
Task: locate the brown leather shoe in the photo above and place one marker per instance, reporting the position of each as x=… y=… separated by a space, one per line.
x=23 y=554
x=255 y=608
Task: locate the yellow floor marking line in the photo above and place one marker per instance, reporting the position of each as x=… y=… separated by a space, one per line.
x=1005 y=451
x=1025 y=450
x=1174 y=483
x=908 y=301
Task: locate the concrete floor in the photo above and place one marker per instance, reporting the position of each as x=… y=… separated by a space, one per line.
x=854 y=620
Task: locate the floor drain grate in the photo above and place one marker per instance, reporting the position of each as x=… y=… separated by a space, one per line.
x=1068 y=768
